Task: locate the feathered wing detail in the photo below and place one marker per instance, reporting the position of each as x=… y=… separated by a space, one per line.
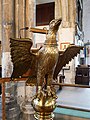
x=64 y=58
x=21 y=56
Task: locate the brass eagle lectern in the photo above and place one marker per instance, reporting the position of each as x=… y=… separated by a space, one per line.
x=45 y=64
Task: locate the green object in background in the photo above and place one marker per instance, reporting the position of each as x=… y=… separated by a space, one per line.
x=71 y=112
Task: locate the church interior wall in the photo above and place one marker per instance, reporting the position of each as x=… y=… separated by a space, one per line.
x=66 y=36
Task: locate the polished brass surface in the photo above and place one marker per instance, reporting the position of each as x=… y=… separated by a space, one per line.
x=42 y=65
x=43 y=60
x=37 y=30
x=44 y=102
x=40 y=61
x=53 y=28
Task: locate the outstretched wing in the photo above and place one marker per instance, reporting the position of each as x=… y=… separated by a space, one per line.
x=64 y=58
x=21 y=56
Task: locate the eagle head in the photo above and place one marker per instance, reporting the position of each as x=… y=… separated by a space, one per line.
x=53 y=28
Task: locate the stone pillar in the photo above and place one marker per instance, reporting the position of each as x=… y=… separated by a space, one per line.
x=25 y=12
x=86 y=29
x=0 y=20
x=20 y=6
x=24 y=17
x=31 y=17
x=0 y=32
x=30 y=13
x=7 y=32
x=0 y=45
x=66 y=9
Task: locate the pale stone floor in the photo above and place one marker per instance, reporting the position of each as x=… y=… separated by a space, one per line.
x=74 y=97
x=71 y=96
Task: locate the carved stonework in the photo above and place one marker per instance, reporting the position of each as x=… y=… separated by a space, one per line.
x=66 y=9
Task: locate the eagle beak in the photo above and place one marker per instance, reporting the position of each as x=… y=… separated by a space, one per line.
x=58 y=22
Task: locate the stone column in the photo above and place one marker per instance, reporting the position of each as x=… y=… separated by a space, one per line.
x=86 y=28
x=7 y=32
x=30 y=17
x=20 y=17
x=25 y=17
x=0 y=21
x=0 y=32
x=66 y=9
x=20 y=21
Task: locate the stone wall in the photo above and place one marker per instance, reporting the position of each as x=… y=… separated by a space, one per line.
x=86 y=20
x=0 y=32
x=86 y=26
x=67 y=11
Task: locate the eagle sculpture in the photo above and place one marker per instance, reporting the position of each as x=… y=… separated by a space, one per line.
x=41 y=63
